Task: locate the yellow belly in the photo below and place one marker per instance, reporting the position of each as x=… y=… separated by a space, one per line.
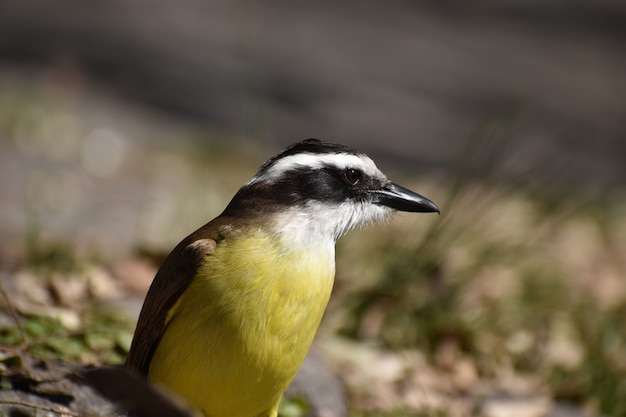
x=239 y=333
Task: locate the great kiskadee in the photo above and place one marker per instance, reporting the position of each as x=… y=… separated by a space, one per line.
x=234 y=308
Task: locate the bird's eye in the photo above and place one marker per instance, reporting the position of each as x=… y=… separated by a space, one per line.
x=353 y=176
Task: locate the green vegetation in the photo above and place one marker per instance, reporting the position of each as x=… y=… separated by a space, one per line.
x=512 y=280
x=103 y=338
x=53 y=313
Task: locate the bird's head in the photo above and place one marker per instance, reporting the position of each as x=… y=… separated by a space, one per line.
x=323 y=187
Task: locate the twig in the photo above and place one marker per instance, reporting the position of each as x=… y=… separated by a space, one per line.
x=62 y=411
x=14 y=314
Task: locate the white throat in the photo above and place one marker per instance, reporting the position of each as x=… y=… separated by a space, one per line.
x=319 y=223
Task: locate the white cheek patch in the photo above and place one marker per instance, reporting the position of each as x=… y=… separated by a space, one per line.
x=317 y=161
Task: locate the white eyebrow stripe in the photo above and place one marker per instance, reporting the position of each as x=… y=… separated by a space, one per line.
x=318 y=161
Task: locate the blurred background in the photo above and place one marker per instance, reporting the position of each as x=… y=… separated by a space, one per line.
x=125 y=125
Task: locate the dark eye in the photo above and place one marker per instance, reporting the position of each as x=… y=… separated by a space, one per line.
x=352 y=176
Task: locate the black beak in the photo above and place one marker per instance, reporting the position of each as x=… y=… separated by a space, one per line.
x=400 y=198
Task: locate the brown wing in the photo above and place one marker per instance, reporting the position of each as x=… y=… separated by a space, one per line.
x=172 y=279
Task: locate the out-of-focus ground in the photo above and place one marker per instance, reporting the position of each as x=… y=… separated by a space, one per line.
x=124 y=125
x=409 y=82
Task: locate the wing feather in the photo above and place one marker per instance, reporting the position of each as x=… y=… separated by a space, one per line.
x=170 y=282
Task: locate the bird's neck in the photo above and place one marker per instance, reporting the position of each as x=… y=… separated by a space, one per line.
x=306 y=231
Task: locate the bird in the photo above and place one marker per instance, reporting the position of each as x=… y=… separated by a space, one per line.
x=234 y=308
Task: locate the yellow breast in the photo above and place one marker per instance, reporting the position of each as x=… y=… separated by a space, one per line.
x=240 y=331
